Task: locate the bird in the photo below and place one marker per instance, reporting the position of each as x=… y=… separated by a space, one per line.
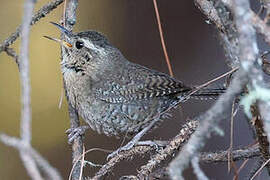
x=113 y=95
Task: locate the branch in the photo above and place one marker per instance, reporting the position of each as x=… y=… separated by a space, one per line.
x=228 y=30
x=50 y=171
x=197 y=170
x=264 y=108
x=216 y=157
x=29 y=156
x=24 y=73
x=260 y=133
x=70 y=14
x=251 y=63
x=77 y=144
x=168 y=152
x=28 y=161
x=207 y=8
x=12 y=54
x=46 y=9
x=108 y=167
x=174 y=145
x=220 y=15
x=208 y=157
x=260 y=26
x=249 y=71
x=208 y=123
x=236 y=155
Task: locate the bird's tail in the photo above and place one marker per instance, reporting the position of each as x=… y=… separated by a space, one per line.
x=201 y=94
x=207 y=93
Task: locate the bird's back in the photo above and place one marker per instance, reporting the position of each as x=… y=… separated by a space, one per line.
x=129 y=99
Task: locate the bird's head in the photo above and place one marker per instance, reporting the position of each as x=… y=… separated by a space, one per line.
x=86 y=52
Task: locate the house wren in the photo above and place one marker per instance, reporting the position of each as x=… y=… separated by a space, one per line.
x=113 y=95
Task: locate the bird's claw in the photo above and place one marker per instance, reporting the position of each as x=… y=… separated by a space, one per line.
x=73 y=133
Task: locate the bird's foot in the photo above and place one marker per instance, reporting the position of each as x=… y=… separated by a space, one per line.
x=135 y=140
x=73 y=133
x=131 y=144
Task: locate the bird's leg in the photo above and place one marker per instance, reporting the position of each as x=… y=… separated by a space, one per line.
x=135 y=140
x=73 y=133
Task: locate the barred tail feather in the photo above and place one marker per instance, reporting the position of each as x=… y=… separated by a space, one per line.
x=205 y=94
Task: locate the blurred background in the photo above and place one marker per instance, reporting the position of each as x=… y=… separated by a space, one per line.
x=193 y=47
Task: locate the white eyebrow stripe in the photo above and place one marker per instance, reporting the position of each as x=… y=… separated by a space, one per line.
x=90 y=45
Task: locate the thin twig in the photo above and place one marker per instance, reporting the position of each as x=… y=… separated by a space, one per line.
x=213 y=80
x=162 y=39
x=82 y=164
x=42 y=12
x=239 y=169
x=231 y=136
x=64 y=13
x=259 y=170
x=61 y=98
x=83 y=154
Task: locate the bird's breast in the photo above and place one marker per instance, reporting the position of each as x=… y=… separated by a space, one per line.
x=77 y=87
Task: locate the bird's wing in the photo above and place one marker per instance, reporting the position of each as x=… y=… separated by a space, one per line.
x=138 y=83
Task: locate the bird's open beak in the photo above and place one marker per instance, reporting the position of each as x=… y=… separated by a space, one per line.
x=62 y=42
x=63 y=30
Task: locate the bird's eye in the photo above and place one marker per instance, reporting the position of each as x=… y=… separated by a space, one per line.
x=79 y=44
